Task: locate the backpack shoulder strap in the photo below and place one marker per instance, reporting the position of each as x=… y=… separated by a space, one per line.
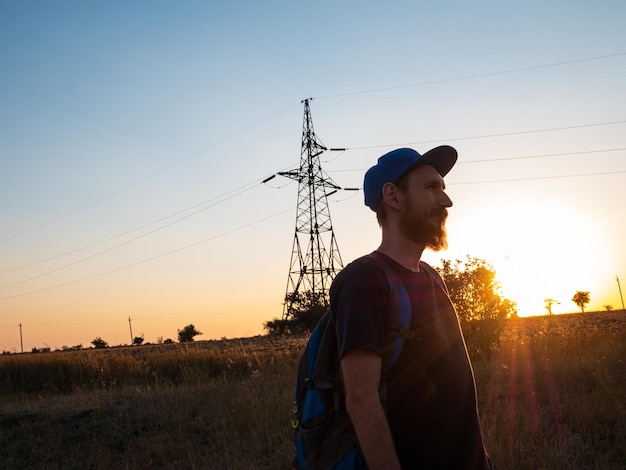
x=400 y=311
x=400 y=314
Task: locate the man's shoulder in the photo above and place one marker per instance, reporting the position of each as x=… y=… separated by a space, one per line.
x=361 y=271
x=365 y=265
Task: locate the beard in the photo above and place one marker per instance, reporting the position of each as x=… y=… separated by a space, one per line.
x=428 y=231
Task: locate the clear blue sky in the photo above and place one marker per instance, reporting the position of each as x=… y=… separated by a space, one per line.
x=114 y=116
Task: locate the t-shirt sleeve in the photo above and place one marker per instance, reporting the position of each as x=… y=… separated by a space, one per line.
x=360 y=301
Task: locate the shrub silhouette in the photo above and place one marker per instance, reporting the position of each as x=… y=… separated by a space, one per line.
x=304 y=311
x=188 y=333
x=99 y=343
x=581 y=298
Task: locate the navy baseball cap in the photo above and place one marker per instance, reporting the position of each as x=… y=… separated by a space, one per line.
x=396 y=163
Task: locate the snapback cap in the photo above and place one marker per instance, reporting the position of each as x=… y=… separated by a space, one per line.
x=393 y=165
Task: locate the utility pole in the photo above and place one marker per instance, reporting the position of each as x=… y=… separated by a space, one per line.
x=131 y=331
x=620 y=293
x=21 y=340
x=315 y=258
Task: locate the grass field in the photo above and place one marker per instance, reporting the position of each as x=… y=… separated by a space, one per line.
x=553 y=397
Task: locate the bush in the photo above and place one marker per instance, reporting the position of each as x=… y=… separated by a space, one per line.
x=304 y=310
x=477 y=298
x=99 y=343
x=188 y=333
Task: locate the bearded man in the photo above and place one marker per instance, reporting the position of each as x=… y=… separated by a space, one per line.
x=429 y=417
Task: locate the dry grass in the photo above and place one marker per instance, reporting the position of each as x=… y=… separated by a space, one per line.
x=553 y=398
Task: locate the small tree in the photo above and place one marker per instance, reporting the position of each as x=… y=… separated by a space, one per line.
x=608 y=308
x=138 y=340
x=305 y=310
x=549 y=303
x=581 y=298
x=99 y=343
x=188 y=333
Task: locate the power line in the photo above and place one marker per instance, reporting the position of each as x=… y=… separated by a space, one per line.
x=530 y=178
x=469 y=77
x=126 y=242
x=505 y=159
x=222 y=198
x=257 y=124
x=535 y=178
x=545 y=155
x=256 y=222
x=244 y=188
x=353 y=148
x=488 y=136
x=145 y=260
x=146 y=178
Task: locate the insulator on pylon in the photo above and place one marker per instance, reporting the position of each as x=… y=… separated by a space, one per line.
x=269 y=178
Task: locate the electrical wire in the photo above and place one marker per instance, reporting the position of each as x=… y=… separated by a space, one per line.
x=151 y=258
x=237 y=134
x=244 y=188
x=137 y=182
x=126 y=242
x=527 y=157
x=146 y=178
x=470 y=77
x=505 y=159
x=537 y=178
x=489 y=136
x=222 y=198
x=179 y=162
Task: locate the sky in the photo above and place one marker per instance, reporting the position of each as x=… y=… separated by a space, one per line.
x=135 y=138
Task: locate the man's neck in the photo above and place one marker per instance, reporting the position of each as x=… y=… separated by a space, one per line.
x=404 y=252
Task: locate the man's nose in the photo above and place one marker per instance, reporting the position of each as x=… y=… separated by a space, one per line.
x=445 y=200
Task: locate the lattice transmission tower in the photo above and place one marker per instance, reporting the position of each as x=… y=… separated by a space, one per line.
x=315 y=258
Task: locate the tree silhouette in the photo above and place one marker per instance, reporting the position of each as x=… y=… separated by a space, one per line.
x=549 y=303
x=187 y=333
x=480 y=305
x=99 y=343
x=581 y=298
x=305 y=310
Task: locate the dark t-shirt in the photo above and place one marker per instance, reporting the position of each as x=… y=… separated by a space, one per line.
x=431 y=394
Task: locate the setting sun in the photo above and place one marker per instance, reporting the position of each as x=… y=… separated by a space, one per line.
x=543 y=248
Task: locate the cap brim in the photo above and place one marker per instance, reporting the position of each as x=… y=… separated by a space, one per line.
x=441 y=158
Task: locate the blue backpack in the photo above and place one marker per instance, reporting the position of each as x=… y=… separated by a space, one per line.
x=323 y=432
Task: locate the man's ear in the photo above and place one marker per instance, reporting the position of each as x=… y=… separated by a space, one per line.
x=391 y=195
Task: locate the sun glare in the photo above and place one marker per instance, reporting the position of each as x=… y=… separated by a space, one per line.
x=536 y=250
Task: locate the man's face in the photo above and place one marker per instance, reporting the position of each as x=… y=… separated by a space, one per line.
x=424 y=208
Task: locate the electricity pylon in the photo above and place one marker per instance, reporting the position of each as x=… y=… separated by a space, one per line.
x=315 y=258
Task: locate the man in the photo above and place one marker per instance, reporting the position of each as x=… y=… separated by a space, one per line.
x=431 y=419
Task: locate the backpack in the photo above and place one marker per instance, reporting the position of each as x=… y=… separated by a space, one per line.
x=323 y=432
